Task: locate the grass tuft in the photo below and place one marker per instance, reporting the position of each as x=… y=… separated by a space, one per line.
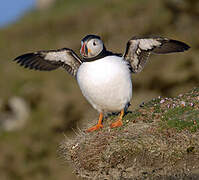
x=159 y=139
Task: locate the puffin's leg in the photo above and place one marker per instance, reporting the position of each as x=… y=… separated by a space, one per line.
x=99 y=124
x=118 y=123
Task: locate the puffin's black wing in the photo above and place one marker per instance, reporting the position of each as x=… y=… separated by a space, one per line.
x=50 y=60
x=139 y=49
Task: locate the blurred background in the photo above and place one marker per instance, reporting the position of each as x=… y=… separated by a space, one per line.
x=37 y=109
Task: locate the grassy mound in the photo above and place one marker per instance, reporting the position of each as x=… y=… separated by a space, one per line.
x=56 y=103
x=159 y=140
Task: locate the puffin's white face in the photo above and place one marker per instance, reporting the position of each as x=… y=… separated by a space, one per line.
x=91 y=48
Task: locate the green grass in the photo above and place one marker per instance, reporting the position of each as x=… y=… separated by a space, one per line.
x=181 y=118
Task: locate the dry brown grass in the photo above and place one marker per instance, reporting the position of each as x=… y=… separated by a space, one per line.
x=144 y=148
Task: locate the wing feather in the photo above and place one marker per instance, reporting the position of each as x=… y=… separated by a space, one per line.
x=50 y=60
x=138 y=50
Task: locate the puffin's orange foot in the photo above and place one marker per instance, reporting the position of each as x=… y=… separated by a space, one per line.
x=118 y=123
x=94 y=128
x=98 y=126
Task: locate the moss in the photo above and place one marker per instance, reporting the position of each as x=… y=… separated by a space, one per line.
x=181 y=118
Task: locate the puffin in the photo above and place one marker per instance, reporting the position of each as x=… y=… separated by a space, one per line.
x=104 y=77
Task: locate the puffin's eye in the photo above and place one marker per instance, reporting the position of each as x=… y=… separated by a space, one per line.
x=94 y=44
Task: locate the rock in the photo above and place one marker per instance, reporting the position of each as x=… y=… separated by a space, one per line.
x=14 y=114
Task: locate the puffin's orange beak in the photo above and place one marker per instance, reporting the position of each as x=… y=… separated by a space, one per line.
x=83 y=49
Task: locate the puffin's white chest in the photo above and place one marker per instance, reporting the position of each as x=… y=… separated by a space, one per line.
x=106 y=83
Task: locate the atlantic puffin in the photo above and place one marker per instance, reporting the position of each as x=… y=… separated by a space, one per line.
x=104 y=77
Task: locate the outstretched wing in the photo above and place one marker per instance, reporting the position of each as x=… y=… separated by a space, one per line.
x=139 y=49
x=50 y=60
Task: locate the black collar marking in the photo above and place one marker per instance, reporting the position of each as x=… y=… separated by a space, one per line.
x=101 y=55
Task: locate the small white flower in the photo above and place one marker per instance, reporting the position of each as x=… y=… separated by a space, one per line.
x=162 y=101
